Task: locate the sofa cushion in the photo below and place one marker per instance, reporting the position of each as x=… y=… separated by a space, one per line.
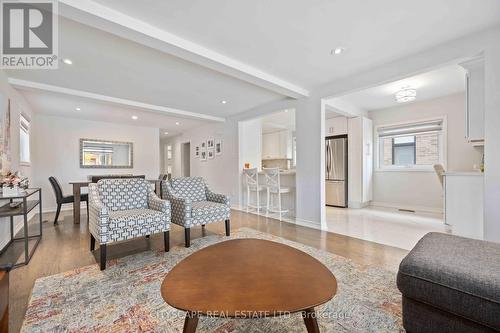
x=192 y=188
x=124 y=194
x=208 y=211
x=455 y=274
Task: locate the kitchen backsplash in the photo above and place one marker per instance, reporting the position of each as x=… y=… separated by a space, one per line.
x=278 y=163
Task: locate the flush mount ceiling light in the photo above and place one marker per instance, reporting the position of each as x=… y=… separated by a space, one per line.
x=166 y=133
x=337 y=50
x=177 y=123
x=223 y=102
x=77 y=109
x=135 y=117
x=406 y=94
x=68 y=61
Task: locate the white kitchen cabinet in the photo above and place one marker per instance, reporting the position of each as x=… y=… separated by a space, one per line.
x=474 y=110
x=360 y=162
x=463 y=209
x=277 y=145
x=336 y=126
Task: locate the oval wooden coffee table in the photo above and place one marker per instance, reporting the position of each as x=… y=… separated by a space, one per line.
x=248 y=278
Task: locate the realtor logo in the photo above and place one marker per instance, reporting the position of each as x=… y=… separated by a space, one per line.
x=29 y=34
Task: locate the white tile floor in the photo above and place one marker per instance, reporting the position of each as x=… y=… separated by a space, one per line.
x=384 y=226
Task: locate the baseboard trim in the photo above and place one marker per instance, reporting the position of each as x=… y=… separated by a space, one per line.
x=420 y=209
x=358 y=205
x=307 y=223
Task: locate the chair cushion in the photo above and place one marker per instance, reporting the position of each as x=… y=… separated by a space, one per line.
x=126 y=224
x=208 y=211
x=455 y=274
x=192 y=188
x=124 y=194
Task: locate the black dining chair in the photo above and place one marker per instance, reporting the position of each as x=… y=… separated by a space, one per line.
x=62 y=199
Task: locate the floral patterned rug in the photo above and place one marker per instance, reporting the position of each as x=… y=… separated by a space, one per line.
x=126 y=297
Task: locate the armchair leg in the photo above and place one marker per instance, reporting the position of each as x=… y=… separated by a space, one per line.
x=103 y=256
x=92 y=242
x=88 y=216
x=228 y=227
x=166 y=240
x=187 y=237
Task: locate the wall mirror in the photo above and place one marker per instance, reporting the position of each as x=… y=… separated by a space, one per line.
x=105 y=154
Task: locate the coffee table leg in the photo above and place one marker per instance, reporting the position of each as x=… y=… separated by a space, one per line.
x=190 y=323
x=310 y=320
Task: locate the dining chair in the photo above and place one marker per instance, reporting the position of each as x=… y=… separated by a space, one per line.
x=274 y=188
x=62 y=199
x=252 y=182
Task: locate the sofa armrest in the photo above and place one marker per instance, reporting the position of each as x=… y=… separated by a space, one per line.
x=215 y=197
x=158 y=204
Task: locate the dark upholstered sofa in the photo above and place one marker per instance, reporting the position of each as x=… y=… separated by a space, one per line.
x=451 y=284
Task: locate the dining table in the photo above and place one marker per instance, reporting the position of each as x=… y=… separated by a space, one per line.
x=77 y=193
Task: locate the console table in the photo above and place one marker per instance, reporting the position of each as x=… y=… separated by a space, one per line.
x=27 y=205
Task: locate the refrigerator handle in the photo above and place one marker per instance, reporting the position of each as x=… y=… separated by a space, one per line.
x=327 y=159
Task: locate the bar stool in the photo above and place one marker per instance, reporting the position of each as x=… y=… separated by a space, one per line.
x=252 y=181
x=273 y=185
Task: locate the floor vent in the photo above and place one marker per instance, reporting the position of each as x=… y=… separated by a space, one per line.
x=406 y=210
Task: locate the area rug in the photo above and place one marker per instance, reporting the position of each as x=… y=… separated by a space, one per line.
x=126 y=297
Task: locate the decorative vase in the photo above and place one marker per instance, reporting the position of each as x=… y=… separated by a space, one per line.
x=8 y=191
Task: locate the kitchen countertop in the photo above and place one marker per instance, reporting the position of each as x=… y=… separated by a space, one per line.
x=463 y=173
x=282 y=172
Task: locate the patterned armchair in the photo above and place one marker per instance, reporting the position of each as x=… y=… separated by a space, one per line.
x=194 y=204
x=122 y=209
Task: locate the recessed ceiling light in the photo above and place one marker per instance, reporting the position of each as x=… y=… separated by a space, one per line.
x=135 y=117
x=166 y=133
x=406 y=94
x=286 y=111
x=337 y=50
x=77 y=109
x=223 y=102
x=177 y=123
x=68 y=61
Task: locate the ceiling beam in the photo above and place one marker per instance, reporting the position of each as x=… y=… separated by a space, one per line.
x=114 y=100
x=107 y=19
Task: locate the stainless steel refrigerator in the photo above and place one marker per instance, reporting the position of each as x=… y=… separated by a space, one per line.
x=336 y=171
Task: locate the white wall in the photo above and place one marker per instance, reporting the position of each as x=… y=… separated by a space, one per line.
x=56 y=151
x=421 y=190
x=18 y=105
x=220 y=173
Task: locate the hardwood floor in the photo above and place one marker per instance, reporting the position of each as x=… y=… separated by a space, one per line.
x=66 y=246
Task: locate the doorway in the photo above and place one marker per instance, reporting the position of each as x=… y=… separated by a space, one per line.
x=186 y=159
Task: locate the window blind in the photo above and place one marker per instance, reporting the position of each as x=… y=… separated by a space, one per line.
x=411 y=129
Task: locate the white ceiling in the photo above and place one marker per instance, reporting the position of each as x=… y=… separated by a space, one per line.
x=246 y=52
x=293 y=39
x=440 y=82
x=278 y=121
x=113 y=66
x=65 y=106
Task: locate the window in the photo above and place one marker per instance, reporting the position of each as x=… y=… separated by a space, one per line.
x=169 y=152
x=416 y=145
x=24 y=140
